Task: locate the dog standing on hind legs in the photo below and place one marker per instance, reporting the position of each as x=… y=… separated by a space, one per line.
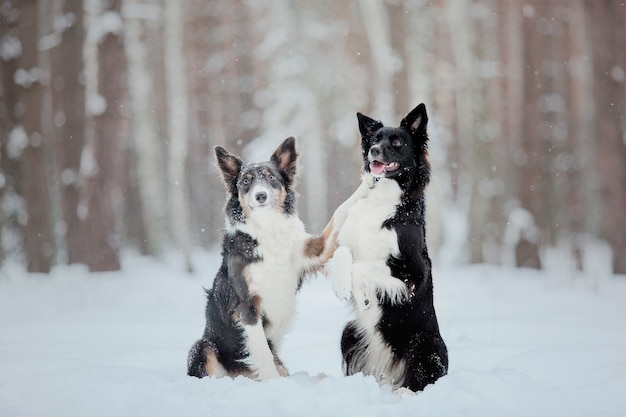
x=382 y=263
x=265 y=255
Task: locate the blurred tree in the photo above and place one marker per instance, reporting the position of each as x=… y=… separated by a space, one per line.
x=101 y=166
x=608 y=20
x=176 y=83
x=29 y=76
x=205 y=188
x=11 y=229
x=526 y=102
x=68 y=89
x=145 y=215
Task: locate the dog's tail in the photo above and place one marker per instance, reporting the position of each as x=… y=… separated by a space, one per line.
x=202 y=360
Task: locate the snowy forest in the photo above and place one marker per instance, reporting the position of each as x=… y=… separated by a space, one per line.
x=110 y=109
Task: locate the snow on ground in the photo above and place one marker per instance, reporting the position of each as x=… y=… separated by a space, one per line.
x=521 y=343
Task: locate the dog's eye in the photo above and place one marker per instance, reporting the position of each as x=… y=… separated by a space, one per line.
x=396 y=143
x=272 y=177
x=245 y=181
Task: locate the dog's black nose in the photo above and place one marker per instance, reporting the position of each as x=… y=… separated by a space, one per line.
x=375 y=151
x=261 y=197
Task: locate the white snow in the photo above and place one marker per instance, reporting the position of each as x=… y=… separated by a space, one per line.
x=76 y=343
x=96 y=104
x=10 y=47
x=105 y=23
x=17 y=142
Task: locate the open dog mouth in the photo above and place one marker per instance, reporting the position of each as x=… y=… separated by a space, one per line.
x=377 y=167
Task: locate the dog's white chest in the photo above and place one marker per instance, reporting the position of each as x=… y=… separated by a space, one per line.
x=363 y=232
x=275 y=277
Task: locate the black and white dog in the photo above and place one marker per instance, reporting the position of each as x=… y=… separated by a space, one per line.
x=382 y=262
x=265 y=255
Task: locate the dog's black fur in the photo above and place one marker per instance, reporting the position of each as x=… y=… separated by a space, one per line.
x=409 y=328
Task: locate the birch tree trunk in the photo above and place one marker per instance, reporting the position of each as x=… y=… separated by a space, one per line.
x=177 y=149
x=147 y=149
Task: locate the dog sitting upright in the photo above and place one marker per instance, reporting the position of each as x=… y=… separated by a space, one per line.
x=266 y=253
x=382 y=263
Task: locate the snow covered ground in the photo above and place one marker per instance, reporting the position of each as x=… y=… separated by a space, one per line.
x=521 y=343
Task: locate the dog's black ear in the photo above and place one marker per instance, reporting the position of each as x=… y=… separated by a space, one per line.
x=415 y=122
x=230 y=165
x=285 y=156
x=367 y=125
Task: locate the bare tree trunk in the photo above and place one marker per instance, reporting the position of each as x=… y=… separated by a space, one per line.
x=147 y=152
x=533 y=154
x=607 y=18
x=69 y=103
x=511 y=131
x=205 y=188
x=177 y=92
x=38 y=238
x=11 y=229
x=587 y=204
x=102 y=172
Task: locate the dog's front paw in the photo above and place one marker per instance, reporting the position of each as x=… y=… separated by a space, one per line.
x=363 y=286
x=282 y=371
x=268 y=372
x=340 y=271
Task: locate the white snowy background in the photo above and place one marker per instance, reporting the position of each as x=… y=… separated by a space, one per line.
x=521 y=342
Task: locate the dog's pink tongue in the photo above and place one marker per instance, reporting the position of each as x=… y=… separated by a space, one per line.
x=377 y=167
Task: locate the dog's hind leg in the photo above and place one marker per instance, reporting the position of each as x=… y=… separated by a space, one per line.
x=426 y=361
x=202 y=360
x=353 y=349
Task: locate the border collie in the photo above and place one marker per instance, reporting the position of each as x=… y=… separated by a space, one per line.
x=382 y=262
x=265 y=255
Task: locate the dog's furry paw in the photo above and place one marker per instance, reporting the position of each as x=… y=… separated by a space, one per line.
x=402 y=392
x=268 y=372
x=282 y=371
x=340 y=271
x=373 y=279
x=368 y=179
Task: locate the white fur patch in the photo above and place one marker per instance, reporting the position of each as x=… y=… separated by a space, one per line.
x=260 y=358
x=374 y=355
x=362 y=231
x=275 y=278
x=371 y=277
x=370 y=245
x=258 y=188
x=339 y=269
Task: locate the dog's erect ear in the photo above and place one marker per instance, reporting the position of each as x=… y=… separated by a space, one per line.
x=230 y=165
x=415 y=122
x=285 y=156
x=367 y=125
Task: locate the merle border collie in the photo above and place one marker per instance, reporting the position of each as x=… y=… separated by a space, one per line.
x=266 y=253
x=382 y=262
